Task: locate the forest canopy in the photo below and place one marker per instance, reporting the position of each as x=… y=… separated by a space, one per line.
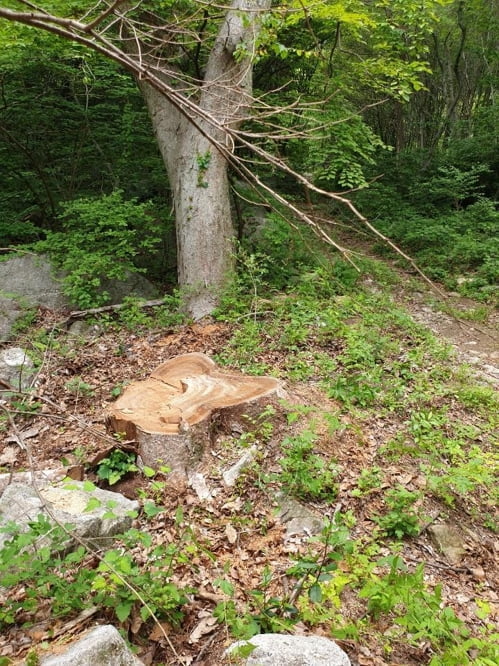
x=392 y=103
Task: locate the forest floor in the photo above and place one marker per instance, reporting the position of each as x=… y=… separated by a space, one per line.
x=471 y=328
x=233 y=553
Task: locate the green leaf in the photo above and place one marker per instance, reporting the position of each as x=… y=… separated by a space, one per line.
x=151 y=510
x=226 y=587
x=315 y=594
x=99 y=583
x=109 y=515
x=243 y=651
x=114 y=477
x=123 y=610
x=93 y=503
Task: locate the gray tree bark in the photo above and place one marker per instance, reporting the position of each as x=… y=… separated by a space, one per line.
x=197 y=171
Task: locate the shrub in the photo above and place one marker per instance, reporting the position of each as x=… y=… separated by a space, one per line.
x=100 y=239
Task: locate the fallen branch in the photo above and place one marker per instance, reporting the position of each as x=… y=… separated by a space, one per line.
x=81 y=314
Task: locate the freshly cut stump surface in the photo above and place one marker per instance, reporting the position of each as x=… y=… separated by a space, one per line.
x=170 y=414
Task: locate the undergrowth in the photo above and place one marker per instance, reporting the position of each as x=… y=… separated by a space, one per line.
x=329 y=331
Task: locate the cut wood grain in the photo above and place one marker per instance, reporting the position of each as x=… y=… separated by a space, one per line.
x=170 y=414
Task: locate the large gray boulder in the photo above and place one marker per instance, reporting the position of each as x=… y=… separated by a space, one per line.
x=103 y=646
x=30 y=280
x=284 y=650
x=10 y=311
x=42 y=477
x=69 y=503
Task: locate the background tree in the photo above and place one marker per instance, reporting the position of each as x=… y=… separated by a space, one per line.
x=321 y=71
x=191 y=125
x=438 y=195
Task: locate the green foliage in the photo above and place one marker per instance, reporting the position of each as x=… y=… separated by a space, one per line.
x=35 y=559
x=441 y=215
x=479 y=397
x=275 y=255
x=35 y=565
x=241 y=625
x=203 y=163
x=305 y=474
x=415 y=611
x=401 y=520
x=134 y=317
x=400 y=606
x=164 y=598
x=264 y=614
x=267 y=612
x=78 y=387
x=117 y=465
x=73 y=126
x=25 y=321
x=425 y=424
x=340 y=57
x=467 y=472
x=316 y=569
x=360 y=391
x=369 y=479
x=100 y=239
x=340 y=157
x=32 y=659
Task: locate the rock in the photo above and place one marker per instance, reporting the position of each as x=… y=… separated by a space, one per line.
x=449 y=540
x=33 y=279
x=255 y=222
x=283 y=650
x=68 y=502
x=16 y=368
x=298 y=519
x=198 y=483
x=43 y=477
x=134 y=284
x=84 y=329
x=102 y=646
x=10 y=311
x=232 y=474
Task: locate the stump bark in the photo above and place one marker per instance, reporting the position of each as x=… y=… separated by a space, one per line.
x=171 y=414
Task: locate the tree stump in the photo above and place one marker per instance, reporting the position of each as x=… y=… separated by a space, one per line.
x=171 y=414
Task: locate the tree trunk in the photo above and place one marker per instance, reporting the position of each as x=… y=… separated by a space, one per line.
x=197 y=171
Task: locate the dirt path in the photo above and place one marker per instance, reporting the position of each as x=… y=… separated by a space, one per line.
x=476 y=344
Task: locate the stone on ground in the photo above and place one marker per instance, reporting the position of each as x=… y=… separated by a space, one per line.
x=30 y=280
x=449 y=540
x=10 y=311
x=284 y=650
x=299 y=520
x=16 y=368
x=103 y=646
x=68 y=502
